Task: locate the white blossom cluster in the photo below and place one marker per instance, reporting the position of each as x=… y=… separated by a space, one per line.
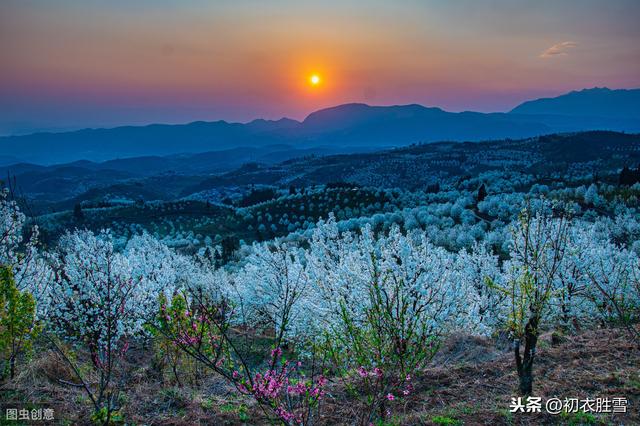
x=30 y=267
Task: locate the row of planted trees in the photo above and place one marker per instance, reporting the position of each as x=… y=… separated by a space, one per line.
x=362 y=309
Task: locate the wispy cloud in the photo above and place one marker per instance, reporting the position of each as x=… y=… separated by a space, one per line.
x=559 y=49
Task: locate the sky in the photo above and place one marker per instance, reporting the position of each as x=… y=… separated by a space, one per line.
x=69 y=64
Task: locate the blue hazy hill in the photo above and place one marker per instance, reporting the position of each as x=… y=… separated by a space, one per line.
x=596 y=102
x=344 y=127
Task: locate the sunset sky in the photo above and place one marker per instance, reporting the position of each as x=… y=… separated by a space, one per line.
x=86 y=63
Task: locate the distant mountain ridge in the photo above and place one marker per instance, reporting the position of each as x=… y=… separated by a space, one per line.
x=341 y=127
x=596 y=102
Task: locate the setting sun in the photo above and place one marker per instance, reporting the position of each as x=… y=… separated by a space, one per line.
x=314 y=79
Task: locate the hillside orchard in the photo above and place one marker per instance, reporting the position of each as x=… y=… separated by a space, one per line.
x=344 y=287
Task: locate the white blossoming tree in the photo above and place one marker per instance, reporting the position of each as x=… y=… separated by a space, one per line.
x=31 y=271
x=538 y=247
x=384 y=303
x=270 y=289
x=100 y=303
x=612 y=280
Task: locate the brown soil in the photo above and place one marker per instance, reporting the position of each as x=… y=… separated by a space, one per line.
x=471 y=383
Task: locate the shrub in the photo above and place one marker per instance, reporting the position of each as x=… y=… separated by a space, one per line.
x=18 y=326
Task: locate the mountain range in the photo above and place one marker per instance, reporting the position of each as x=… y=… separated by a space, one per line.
x=344 y=128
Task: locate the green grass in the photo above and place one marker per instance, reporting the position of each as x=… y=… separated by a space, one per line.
x=580 y=419
x=207 y=404
x=445 y=420
x=508 y=415
x=240 y=409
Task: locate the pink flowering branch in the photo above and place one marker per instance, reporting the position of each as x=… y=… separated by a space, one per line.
x=282 y=390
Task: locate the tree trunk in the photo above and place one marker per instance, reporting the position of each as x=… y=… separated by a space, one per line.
x=175 y=374
x=524 y=362
x=12 y=366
